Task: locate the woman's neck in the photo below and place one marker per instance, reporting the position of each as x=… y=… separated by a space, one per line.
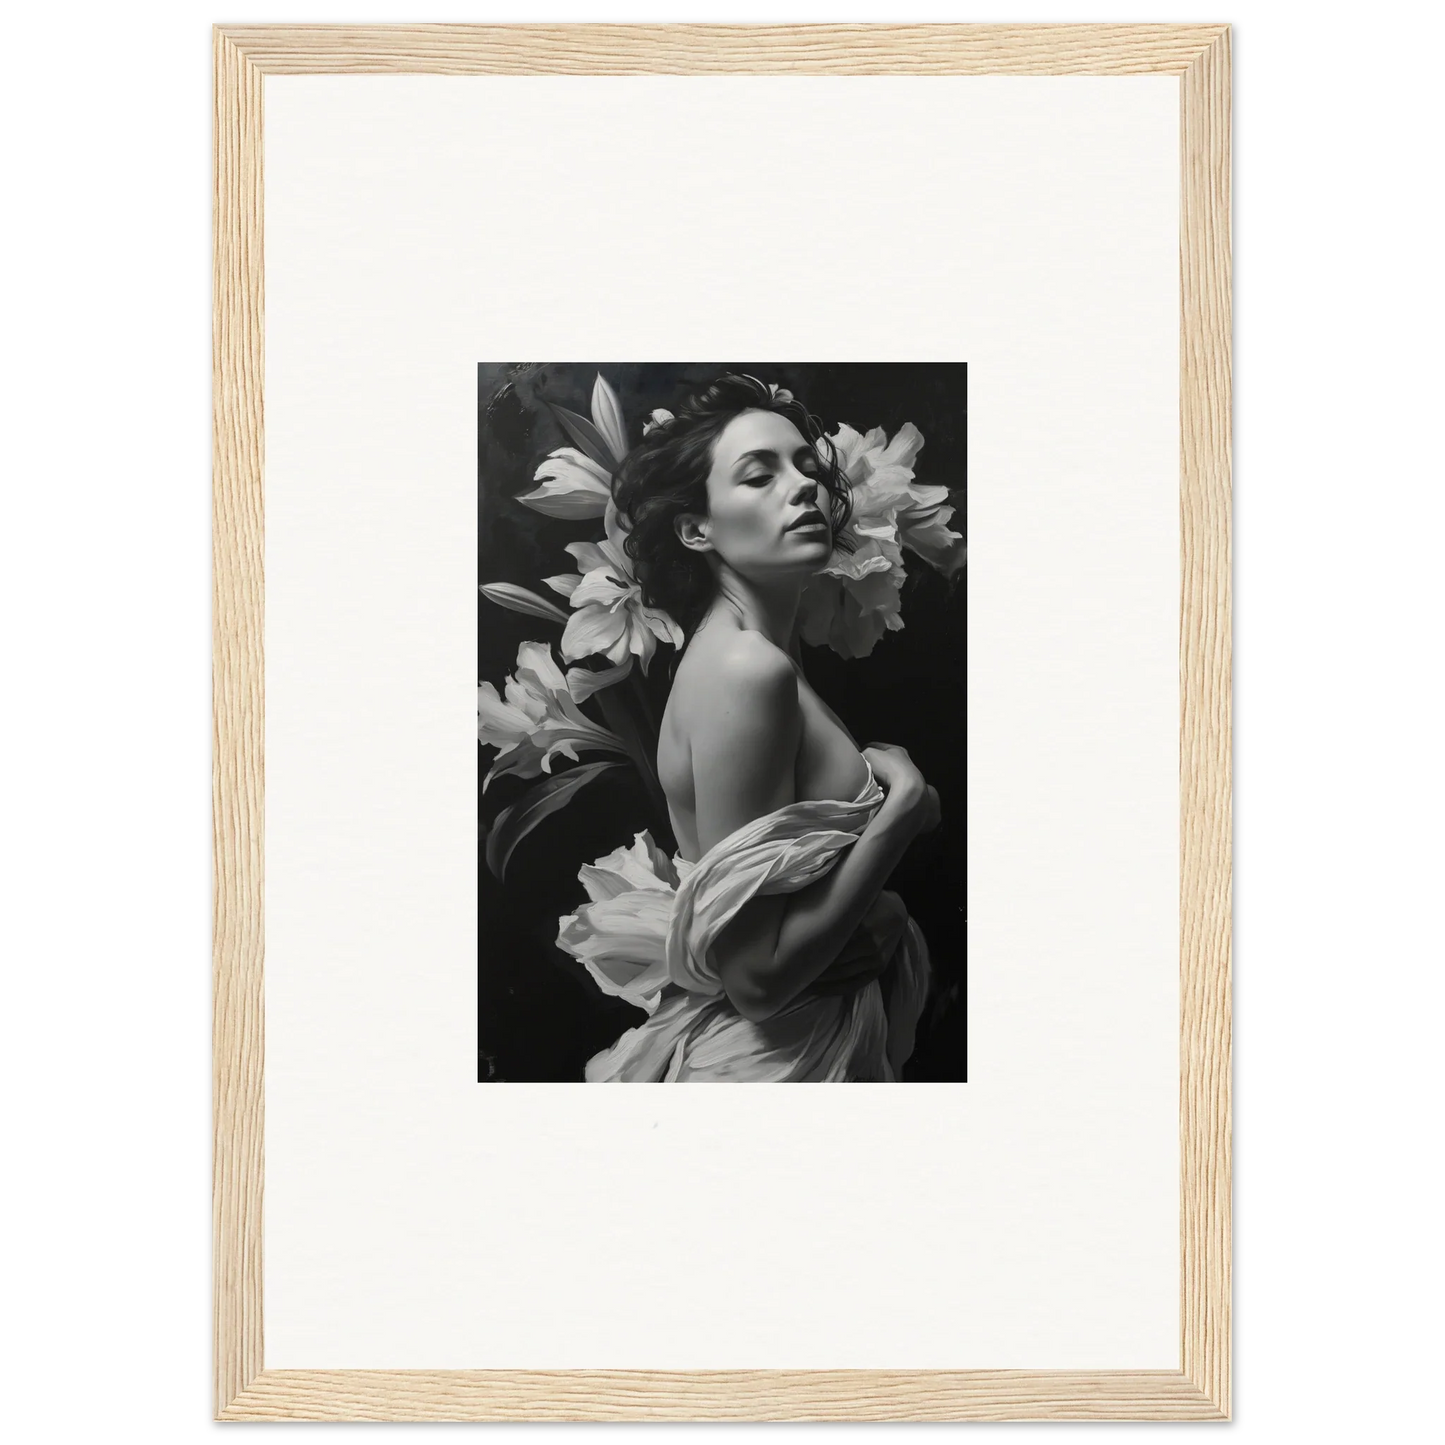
x=773 y=611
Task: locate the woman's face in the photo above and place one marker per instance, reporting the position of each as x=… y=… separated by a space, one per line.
x=766 y=502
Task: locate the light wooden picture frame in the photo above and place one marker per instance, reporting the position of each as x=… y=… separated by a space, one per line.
x=1199 y=1388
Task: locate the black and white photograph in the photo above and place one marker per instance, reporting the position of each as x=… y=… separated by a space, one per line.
x=722 y=714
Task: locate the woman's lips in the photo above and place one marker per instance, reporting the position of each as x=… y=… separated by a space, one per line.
x=807 y=521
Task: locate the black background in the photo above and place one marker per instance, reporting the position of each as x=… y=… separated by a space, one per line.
x=539 y=1015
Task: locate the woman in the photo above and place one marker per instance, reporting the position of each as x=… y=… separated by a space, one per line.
x=784 y=956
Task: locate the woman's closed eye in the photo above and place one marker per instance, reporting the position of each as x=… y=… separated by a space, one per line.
x=809 y=473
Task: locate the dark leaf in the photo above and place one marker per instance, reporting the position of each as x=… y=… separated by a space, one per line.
x=586 y=437
x=514 y=823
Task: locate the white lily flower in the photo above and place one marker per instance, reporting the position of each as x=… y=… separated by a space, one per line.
x=536 y=719
x=856 y=598
x=620 y=934
x=609 y=618
x=880 y=478
x=573 y=486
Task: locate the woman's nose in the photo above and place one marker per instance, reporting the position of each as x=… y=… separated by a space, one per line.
x=804 y=489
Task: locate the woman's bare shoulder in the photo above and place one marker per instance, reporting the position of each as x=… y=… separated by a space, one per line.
x=736 y=676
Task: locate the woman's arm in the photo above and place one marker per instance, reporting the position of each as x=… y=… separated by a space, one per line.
x=744 y=753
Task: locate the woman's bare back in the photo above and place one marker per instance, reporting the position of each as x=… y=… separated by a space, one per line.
x=826 y=762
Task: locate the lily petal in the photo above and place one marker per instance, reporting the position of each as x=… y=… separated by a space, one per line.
x=621 y=941
x=565 y=583
x=582 y=682
x=847 y=446
x=589 y=556
x=573 y=486
x=594 y=631
x=643 y=865
x=856 y=598
x=662 y=626
x=534 y=660
x=923 y=498
x=568 y=461
x=614 y=545
x=499 y=724
x=644 y=644
x=617 y=653
x=607 y=417
x=932 y=540
x=527 y=697
x=906 y=444
x=599 y=588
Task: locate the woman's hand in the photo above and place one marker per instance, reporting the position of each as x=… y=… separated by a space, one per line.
x=867 y=953
x=909 y=798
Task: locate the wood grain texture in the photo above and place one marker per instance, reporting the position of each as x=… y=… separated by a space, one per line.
x=720 y=1395
x=1205 y=846
x=237 y=762
x=1200 y=1389
x=722 y=49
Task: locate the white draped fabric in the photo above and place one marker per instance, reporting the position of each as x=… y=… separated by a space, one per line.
x=646 y=933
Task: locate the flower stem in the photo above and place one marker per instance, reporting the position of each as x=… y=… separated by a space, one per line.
x=625 y=722
x=644 y=707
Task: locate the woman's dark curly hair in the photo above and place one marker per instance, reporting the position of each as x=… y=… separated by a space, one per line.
x=665 y=476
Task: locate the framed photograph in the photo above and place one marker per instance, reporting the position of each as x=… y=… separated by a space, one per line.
x=843 y=589
x=574 y=976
